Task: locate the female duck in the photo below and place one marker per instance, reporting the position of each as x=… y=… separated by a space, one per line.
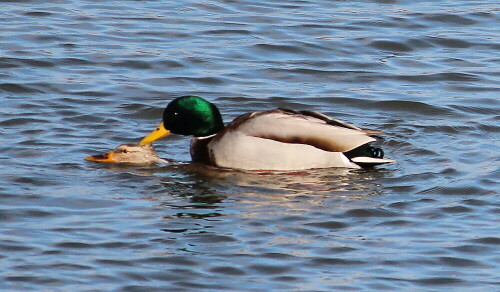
x=129 y=154
x=277 y=139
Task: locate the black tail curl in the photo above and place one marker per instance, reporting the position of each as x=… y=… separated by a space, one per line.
x=377 y=152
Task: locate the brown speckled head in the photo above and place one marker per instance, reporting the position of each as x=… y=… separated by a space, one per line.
x=128 y=154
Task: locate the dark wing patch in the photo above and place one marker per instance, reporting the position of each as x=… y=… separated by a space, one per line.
x=319 y=143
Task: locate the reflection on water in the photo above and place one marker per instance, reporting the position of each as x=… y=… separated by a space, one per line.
x=201 y=180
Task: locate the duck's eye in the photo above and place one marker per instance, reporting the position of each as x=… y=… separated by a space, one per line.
x=123 y=151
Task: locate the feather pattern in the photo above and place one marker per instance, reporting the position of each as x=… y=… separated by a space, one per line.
x=284 y=140
x=292 y=127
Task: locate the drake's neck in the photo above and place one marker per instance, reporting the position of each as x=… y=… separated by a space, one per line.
x=199 y=149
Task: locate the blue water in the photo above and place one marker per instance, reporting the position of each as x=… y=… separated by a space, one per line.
x=81 y=77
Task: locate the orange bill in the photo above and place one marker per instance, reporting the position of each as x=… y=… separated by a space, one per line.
x=102 y=158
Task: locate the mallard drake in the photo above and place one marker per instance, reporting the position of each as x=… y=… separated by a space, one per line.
x=129 y=154
x=278 y=139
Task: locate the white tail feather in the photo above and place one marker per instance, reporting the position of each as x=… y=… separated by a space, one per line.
x=371 y=160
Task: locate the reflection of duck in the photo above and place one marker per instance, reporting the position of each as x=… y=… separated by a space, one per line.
x=277 y=139
x=129 y=154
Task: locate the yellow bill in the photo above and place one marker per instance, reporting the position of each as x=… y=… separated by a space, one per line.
x=158 y=133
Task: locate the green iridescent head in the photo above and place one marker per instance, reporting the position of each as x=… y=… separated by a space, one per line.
x=192 y=115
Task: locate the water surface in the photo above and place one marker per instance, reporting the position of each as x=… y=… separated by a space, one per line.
x=81 y=77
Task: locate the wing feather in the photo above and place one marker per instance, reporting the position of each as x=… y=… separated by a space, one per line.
x=301 y=128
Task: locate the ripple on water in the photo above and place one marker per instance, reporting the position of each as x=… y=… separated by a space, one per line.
x=453 y=19
x=421 y=108
x=37 y=13
x=487 y=240
x=79 y=77
x=450 y=42
x=463 y=190
x=460 y=262
x=364 y=213
x=392 y=46
x=18 y=88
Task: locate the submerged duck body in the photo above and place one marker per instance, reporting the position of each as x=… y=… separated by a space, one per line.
x=277 y=139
